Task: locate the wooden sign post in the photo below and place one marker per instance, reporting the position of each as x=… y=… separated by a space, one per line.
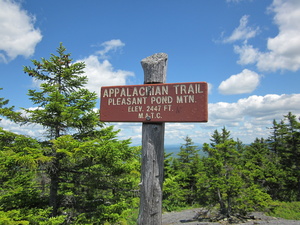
x=154 y=103
x=155 y=71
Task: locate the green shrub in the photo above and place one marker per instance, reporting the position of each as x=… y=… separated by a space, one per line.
x=286 y=210
x=12 y=217
x=251 y=199
x=29 y=216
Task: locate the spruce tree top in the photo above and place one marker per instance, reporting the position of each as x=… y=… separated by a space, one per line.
x=63 y=105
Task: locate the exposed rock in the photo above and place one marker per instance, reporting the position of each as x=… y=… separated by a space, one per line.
x=202 y=216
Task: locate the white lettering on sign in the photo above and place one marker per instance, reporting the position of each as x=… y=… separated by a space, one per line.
x=185 y=98
x=161 y=100
x=152 y=100
x=127 y=101
x=191 y=89
x=136 y=91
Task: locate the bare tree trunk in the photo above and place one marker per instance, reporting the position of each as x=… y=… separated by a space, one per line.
x=54 y=183
x=223 y=209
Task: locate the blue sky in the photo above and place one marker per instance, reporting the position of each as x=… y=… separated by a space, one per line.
x=247 y=50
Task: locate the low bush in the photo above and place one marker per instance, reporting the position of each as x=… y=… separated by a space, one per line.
x=286 y=210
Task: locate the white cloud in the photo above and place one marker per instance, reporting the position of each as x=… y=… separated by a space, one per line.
x=284 y=49
x=244 y=82
x=209 y=87
x=242 y=32
x=35 y=131
x=248 y=54
x=178 y=131
x=250 y=117
x=129 y=130
x=112 y=45
x=246 y=119
x=101 y=73
x=270 y=106
x=17 y=33
x=173 y=131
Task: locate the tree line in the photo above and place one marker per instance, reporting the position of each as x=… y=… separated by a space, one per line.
x=80 y=173
x=235 y=177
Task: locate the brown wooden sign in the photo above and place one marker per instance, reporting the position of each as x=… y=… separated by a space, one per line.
x=166 y=102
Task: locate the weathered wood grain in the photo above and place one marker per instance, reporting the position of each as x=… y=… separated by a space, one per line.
x=155 y=68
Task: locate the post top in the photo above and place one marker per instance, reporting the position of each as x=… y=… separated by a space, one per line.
x=155 y=58
x=155 y=68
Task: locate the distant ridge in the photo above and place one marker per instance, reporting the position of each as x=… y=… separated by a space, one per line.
x=175 y=149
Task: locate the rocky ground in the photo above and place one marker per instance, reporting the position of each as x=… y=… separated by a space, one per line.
x=188 y=217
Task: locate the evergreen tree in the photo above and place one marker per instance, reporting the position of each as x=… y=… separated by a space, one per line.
x=285 y=142
x=180 y=182
x=92 y=174
x=97 y=177
x=20 y=157
x=9 y=112
x=168 y=168
x=63 y=106
x=22 y=197
x=223 y=173
x=219 y=138
x=180 y=177
x=188 y=167
x=222 y=178
x=261 y=168
x=291 y=156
